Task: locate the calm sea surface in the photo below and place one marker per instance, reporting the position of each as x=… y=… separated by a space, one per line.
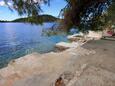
x=19 y=39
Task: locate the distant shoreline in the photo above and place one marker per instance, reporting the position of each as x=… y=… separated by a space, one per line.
x=36 y=20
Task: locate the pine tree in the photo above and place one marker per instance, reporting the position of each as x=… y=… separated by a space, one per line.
x=85 y=14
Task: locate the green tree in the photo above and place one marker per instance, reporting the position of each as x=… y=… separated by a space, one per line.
x=31 y=8
x=86 y=14
x=28 y=7
x=75 y=12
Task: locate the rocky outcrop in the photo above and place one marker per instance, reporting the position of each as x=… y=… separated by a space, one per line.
x=95 y=35
x=76 y=37
x=44 y=68
x=93 y=64
x=66 y=45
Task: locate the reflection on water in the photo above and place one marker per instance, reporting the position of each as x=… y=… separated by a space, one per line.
x=18 y=39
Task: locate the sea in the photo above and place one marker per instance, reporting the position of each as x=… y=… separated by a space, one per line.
x=20 y=39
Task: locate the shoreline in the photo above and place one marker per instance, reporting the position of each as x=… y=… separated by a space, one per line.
x=46 y=69
x=32 y=60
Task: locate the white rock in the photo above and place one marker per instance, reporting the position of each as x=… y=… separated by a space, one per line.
x=65 y=45
x=75 y=35
x=95 y=35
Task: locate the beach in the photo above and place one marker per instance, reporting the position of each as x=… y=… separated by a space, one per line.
x=92 y=64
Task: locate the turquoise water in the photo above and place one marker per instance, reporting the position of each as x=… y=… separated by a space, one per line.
x=19 y=39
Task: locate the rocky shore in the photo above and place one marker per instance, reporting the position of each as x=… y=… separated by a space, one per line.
x=92 y=64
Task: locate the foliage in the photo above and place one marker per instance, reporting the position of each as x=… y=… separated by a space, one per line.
x=111 y=12
x=37 y=19
x=3 y=21
x=86 y=14
x=29 y=7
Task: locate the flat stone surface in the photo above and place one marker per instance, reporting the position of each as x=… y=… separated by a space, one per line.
x=94 y=64
x=93 y=76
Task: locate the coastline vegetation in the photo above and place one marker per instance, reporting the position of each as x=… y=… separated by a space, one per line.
x=82 y=14
x=36 y=20
x=4 y=21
